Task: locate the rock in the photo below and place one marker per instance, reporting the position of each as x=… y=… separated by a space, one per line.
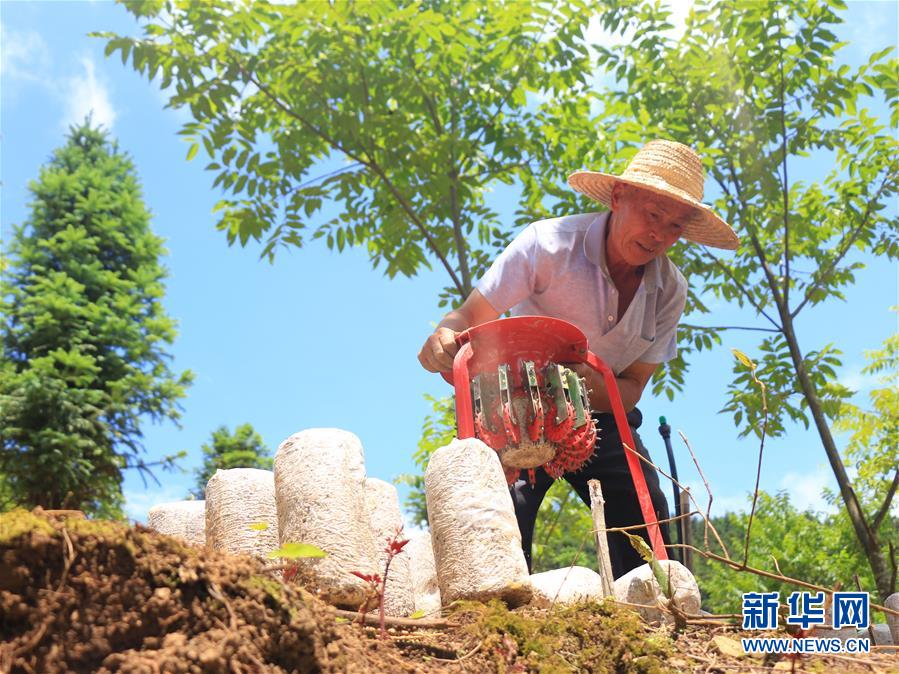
x=425 y=589
x=882 y=635
x=477 y=545
x=639 y=586
x=727 y=646
x=571 y=585
x=892 y=602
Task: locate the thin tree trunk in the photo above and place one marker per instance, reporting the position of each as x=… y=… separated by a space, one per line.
x=868 y=539
x=458 y=234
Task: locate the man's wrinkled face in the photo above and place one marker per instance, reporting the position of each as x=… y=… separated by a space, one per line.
x=646 y=224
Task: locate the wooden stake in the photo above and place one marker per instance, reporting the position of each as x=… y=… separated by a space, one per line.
x=684 y=525
x=604 y=563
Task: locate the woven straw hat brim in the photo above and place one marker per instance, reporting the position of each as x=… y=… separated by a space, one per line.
x=705 y=227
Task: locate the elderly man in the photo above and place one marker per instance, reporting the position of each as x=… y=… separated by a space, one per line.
x=608 y=274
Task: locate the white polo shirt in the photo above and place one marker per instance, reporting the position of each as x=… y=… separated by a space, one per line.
x=557 y=268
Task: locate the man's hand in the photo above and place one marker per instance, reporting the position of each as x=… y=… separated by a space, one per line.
x=439 y=350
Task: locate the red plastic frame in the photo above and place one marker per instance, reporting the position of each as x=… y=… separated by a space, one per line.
x=485 y=346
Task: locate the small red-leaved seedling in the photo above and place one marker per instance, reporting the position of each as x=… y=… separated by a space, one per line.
x=377 y=583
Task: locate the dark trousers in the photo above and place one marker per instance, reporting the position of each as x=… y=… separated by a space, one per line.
x=608 y=465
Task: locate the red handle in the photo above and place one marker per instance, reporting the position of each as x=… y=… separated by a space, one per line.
x=633 y=462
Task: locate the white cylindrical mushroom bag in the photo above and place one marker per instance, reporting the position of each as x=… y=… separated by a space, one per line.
x=320 y=488
x=424 y=574
x=386 y=519
x=240 y=511
x=477 y=544
x=184 y=519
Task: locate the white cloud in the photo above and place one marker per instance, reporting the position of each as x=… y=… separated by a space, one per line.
x=867 y=29
x=805 y=489
x=137 y=503
x=23 y=56
x=85 y=95
x=854 y=379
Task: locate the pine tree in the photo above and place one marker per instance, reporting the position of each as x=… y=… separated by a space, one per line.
x=83 y=361
x=244 y=448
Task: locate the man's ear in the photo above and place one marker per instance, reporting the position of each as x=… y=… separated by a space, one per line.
x=616 y=195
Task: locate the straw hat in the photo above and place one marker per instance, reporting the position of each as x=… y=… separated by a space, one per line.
x=672 y=170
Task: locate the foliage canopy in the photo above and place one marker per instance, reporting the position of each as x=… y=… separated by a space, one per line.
x=404 y=115
x=244 y=448
x=84 y=335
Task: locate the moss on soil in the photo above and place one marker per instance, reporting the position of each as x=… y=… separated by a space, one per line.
x=597 y=637
x=19 y=522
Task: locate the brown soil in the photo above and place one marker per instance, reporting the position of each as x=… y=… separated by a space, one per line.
x=88 y=596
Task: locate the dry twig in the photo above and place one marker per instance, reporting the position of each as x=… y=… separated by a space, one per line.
x=390 y=621
x=707 y=521
x=708 y=515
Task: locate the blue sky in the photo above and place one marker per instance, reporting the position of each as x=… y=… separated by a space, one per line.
x=322 y=340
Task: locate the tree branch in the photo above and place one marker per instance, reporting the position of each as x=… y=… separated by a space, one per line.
x=759 y=251
x=325 y=176
x=728 y=327
x=885 y=508
x=742 y=288
x=843 y=248
x=369 y=164
x=432 y=110
x=737 y=566
x=786 y=183
x=455 y=214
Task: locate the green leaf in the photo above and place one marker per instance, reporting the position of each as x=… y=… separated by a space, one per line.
x=646 y=553
x=297 y=551
x=259 y=526
x=743 y=358
x=192 y=151
x=418 y=614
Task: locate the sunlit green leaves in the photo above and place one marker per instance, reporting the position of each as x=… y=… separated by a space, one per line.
x=297 y=551
x=428 y=103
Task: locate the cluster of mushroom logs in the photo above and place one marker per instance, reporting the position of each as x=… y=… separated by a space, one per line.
x=319 y=494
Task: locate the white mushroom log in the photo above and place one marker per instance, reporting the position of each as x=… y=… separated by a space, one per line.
x=477 y=545
x=320 y=488
x=424 y=574
x=386 y=520
x=240 y=511
x=184 y=519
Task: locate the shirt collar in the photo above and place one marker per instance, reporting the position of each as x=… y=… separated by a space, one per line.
x=595 y=250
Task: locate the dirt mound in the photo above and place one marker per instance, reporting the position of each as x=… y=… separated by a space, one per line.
x=93 y=596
